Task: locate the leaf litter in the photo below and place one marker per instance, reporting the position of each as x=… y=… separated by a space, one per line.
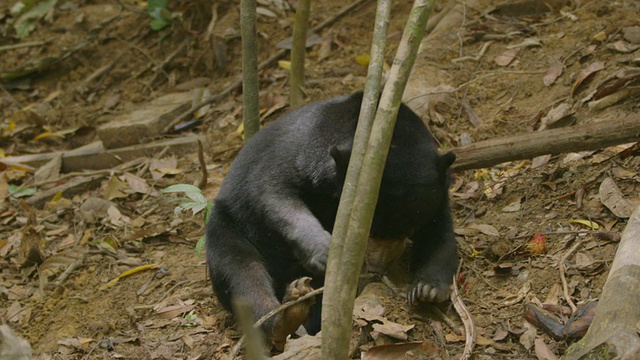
x=131 y=225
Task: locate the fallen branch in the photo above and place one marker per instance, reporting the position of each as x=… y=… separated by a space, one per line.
x=591 y=136
x=613 y=334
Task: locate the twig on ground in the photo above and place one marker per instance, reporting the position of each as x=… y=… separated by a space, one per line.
x=71 y=268
x=563 y=269
x=447 y=320
x=267 y=316
x=476 y=58
x=103 y=70
x=385 y=280
x=160 y=67
x=23 y=45
x=203 y=166
x=117 y=170
x=166 y=293
x=465 y=316
x=212 y=23
x=561 y=232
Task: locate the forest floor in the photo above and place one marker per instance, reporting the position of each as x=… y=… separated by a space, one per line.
x=541 y=231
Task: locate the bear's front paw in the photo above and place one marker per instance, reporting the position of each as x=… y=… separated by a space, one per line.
x=423 y=291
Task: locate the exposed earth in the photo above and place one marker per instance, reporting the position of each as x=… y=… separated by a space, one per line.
x=486 y=71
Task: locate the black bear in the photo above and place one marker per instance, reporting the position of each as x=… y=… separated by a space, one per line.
x=270 y=226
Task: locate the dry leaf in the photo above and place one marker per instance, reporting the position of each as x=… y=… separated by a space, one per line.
x=53 y=264
x=75 y=342
x=526 y=43
x=540 y=161
x=393 y=329
x=284 y=64
x=172 y=311
x=161 y=167
x=500 y=334
x=325 y=47
x=466 y=231
x=632 y=34
x=473 y=117
x=529 y=336
x=4 y=188
x=586 y=74
x=612 y=198
x=583 y=260
x=137 y=184
x=623 y=47
x=513 y=204
x=266 y=12
x=116 y=218
x=94 y=209
x=306 y=347
x=588 y=223
x=116 y=188
x=553 y=118
x=542 y=350
x=506 y=57
x=13 y=312
x=115 y=280
x=390 y=351
x=363 y=59
x=555 y=70
x=485 y=229
x=50 y=170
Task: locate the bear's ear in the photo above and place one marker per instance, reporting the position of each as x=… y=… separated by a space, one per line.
x=341 y=154
x=446 y=160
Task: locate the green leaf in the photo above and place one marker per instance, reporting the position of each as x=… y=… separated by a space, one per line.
x=196 y=207
x=192 y=192
x=160 y=16
x=200 y=246
x=18 y=192
x=30 y=13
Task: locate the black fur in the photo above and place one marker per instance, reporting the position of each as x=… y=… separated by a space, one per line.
x=272 y=219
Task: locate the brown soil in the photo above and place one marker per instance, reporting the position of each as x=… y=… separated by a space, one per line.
x=170 y=311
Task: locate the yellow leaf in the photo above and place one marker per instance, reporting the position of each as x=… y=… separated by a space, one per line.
x=12 y=125
x=363 y=59
x=45 y=135
x=285 y=64
x=20 y=168
x=57 y=196
x=588 y=223
x=127 y=273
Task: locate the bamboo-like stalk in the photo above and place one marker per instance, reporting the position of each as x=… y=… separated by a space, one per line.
x=346 y=261
x=298 y=49
x=251 y=105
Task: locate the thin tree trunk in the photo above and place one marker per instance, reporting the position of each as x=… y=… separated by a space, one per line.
x=251 y=106
x=298 y=49
x=342 y=289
